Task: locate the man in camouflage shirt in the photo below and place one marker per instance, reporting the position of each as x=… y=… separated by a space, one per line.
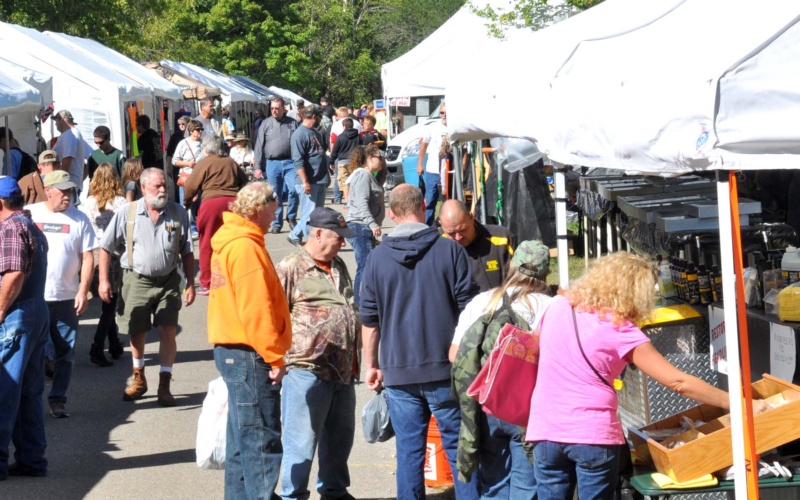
x=318 y=400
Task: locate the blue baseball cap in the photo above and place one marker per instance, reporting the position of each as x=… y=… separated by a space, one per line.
x=9 y=188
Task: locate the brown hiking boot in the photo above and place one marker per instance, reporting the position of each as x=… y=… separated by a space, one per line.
x=165 y=398
x=137 y=387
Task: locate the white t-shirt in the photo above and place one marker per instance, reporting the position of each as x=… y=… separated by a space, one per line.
x=69 y=234
x=433 y=138
x=477 y=308
x=71 y=143
x=241 y=155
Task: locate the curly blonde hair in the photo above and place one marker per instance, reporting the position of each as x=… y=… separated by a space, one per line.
x=105 y=185
x=132 y=171
x=252 y=198
x=619 y=287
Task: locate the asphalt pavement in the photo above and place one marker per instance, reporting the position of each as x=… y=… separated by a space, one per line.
x=110 y=449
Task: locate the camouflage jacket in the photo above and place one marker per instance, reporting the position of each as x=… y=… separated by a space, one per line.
x=325 y=320
x=474 y=350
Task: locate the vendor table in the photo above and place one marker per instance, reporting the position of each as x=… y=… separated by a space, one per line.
x=645 y=485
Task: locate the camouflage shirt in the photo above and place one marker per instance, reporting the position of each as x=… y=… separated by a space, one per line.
x=325 y=321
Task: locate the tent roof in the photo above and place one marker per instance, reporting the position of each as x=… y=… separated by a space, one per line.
x=190 y=88
x=231 y=91
x=255 y=86
x=39 y=81
x=119 y=63
x=288 y=94
x=16 y=96
x=28 y=47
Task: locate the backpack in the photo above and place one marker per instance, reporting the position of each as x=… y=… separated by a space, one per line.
x=27 y=165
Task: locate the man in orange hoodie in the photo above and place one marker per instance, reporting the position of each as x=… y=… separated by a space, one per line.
x=250 y=327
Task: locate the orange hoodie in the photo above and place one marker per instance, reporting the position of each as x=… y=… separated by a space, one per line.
x=246 y=304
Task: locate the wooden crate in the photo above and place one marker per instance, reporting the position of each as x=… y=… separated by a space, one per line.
x=708 y=448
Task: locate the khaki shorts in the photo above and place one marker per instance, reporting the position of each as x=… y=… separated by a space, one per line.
x=344 y=173
x=145 y=302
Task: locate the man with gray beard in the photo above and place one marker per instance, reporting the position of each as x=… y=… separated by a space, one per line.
x=152 y=236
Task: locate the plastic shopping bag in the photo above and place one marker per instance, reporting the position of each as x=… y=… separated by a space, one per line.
x=212 y=427
x=375 y=420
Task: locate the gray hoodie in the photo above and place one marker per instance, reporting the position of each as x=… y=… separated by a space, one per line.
x=366 y=199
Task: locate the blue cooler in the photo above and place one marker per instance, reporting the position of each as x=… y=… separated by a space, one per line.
x=410 y=169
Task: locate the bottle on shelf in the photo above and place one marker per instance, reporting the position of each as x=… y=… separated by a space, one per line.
x=665 y=286
x=693 y=287
x=771 y=278
x=704 y=284
x=790 y=266
x=716 y=284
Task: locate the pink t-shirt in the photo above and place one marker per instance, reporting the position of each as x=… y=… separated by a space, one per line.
x=570 y=404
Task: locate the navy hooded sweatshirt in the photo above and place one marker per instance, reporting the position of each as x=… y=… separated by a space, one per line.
x=415 y=285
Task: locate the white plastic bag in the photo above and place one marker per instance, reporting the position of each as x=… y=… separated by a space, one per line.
x=375 y=420
x=212 y=427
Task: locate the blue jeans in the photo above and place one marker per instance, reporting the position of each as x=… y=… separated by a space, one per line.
x=363 y=243
x=431 y=196
x=281 y=173
x=63 y=329
x=316 y=413
x=308 y=202
x=410 y=408
x=505 y=470
x=559 y=467
x=23 y=334
x=253 y=441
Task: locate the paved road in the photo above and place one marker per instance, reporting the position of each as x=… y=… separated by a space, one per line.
x=138 y=450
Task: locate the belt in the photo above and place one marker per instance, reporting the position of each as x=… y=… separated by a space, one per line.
x=280 y=159
x=151 y=278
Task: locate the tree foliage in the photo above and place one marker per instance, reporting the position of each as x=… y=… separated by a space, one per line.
x=532 y=14
x=314 y=47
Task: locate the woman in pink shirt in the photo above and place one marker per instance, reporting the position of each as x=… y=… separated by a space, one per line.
x=573 y=422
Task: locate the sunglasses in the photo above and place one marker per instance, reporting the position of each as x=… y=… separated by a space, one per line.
x=200 y=129
x=271 y=198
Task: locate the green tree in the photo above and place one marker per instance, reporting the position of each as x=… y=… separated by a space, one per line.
x=533 y=14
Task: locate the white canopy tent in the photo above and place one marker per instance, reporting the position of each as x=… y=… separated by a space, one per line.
x=231 y=91
x=424 y=70
x=23 y=122
x=706 y=84
x=95 y=94
x=288 y=94
x=162 y=88
x=16 y=98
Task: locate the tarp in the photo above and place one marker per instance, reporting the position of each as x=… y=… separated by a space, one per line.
x=646 y=100
x=22 y=118
x=190 y=88
x=231 y=91
x=122 y=64
x=93 y=93
x=424 y=70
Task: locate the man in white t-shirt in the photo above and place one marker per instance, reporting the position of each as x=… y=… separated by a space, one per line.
x=70 y=266
x=432 y=144
x=71 y=147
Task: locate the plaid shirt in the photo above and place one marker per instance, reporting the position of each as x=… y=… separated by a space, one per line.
x=17 y=245
x=325 y=322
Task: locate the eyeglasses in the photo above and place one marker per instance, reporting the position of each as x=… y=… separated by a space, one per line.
x=272 y=197
x=199 y=129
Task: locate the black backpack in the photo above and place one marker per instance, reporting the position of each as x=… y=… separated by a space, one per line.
x=27 y=165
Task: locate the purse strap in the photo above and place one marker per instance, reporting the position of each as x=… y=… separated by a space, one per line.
x=577 y=336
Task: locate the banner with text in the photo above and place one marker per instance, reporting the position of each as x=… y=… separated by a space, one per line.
x=719 y=352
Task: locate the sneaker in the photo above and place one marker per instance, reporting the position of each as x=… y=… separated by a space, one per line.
x=292 y=241
x=201 y=290
x=17 y=469
x=292 y=223
x=58 y=409
x=274 y=230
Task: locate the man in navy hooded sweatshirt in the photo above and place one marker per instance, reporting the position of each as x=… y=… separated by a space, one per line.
x=415 y=285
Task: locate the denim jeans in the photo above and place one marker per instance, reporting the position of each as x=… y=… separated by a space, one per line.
x=23 y=334
x=337 y=193
x=363 y=243
x=253 y=441
x=281 y=173
x=431 y=196
x=63 y=330
x=316 y=413
x=505 y=470
x=410 y=408
x=560 y=466
x=308 y=202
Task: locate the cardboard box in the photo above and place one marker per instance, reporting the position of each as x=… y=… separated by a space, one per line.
x=708 y=448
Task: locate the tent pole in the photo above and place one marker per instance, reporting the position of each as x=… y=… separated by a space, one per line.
x=561 y=224
x=586 y=227
x=7 y=167
x=751 y=457
x=482 y=170
x=731 y=339
x=458 y=188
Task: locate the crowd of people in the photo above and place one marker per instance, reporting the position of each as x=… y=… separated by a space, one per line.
x=290 y=338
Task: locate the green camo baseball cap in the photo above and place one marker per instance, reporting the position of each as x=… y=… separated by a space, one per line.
x=535 y=254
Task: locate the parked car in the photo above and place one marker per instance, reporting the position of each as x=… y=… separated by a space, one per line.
x=406 y=145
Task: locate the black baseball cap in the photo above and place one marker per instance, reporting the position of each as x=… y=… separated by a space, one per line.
x=328 y=218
